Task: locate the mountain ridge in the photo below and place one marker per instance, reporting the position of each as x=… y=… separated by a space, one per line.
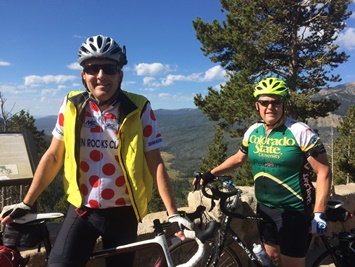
x=187 y=132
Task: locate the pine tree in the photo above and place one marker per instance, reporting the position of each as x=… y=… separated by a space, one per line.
x=292 y=40
x=22 y=121
x=344 y=150
x=217 y=150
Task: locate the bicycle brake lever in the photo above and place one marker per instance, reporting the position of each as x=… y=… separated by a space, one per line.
x=213 y=204
x=196 y=186
x=198 y=176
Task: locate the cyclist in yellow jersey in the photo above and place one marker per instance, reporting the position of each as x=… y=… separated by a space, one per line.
x=109 y=143
x=281 y=151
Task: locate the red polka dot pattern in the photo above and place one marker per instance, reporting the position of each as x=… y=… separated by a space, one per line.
x=108 y=169
x=152 y=116
x=61 y=119
x=100 y=177
x=147 y=131
x=120 y=181
x=94 y=181
x=94 y=107
x=120 y=202
x=107 y=193
x=84 y=166
x=96 y=155
x=94 y=204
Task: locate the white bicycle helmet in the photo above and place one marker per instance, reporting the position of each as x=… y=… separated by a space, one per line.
x=102 y=47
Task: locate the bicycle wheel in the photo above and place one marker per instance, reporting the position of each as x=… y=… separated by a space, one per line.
x=325 y=260
x=181 y=252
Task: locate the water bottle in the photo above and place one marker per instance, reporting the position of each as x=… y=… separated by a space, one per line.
x=262 y=256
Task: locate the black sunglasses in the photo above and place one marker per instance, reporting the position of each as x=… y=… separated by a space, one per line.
x=266 y=103
x=108 y=69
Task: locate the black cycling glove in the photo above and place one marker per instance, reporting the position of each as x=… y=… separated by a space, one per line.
x=207 y=177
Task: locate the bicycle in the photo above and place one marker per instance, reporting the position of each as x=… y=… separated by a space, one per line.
x=158 y=243
x=217 y=253
x=340 y=247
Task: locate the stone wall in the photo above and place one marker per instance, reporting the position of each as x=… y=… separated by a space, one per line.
x=246 y=230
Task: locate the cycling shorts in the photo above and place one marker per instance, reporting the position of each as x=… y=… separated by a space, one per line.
x=80 y=230
x=287 y=229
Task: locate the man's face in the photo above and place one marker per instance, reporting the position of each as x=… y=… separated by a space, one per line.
x=270 y=108
x=101 y=78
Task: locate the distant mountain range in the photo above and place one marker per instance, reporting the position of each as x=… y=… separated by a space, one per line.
x=186 y=135
x=187 y=132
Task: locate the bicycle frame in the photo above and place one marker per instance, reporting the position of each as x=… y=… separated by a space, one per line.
x=340 y=252
x=225 y=229
x=159 y=241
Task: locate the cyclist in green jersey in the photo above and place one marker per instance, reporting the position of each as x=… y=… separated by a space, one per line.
x=282 y=151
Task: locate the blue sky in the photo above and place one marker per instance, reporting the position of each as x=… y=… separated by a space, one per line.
x=40 y=40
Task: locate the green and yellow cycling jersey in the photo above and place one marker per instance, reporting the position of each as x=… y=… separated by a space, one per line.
x=279 y=163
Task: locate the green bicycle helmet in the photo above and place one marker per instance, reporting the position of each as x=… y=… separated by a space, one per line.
x=271 y=86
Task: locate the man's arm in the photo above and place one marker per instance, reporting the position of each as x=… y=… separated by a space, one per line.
x=321 y=167
x=230 y=163
x=161 y=179
x=47 y=169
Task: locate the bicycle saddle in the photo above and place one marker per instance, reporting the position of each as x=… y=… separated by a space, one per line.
x=31 y=217
x=334 y=203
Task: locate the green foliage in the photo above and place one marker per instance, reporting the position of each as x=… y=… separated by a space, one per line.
x=244 y=176
x=277 y=38
x=272 y=38
x=344 y=150
x=52 y=196
x=155 y=204
x=23 y=121
x=217 y=151
x=62 y=205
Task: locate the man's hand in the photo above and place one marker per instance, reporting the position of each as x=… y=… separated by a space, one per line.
x=204 y=179
x=319 y=224
x=182 y=223
x=14 y=211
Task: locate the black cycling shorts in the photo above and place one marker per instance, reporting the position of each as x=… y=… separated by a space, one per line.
x=287 y=229
x=78 y=234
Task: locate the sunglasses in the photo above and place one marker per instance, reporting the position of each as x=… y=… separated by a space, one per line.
x=108 y=69
x=266 y=103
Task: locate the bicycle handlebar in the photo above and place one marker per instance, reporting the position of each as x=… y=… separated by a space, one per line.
x=223 y=196
x=200 y=238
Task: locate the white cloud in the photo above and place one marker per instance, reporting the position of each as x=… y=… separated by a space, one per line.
x=214 y=73
x=48 y=92
x=153 y=69
x=5 y=63
x=149 y=80
x=8 y=89
x=347 y=39
x=34 y=80
x=164 y=95
x=75 y=66
x=175 y=97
